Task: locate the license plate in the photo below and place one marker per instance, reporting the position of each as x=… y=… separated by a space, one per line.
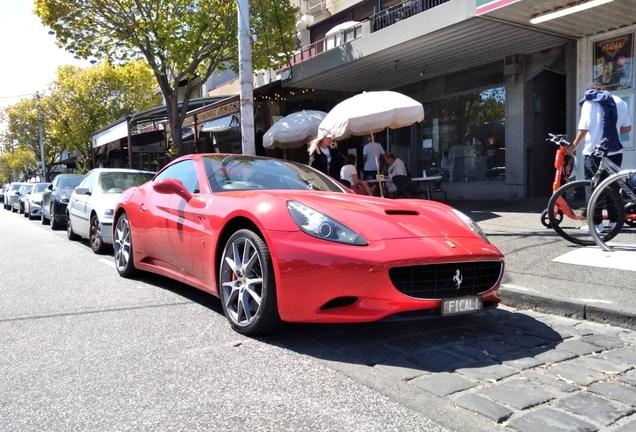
x=461 y=305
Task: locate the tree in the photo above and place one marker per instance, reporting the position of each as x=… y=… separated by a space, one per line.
x=83 y=100
x=21 y=161
x=22 y=128
x=183 y=41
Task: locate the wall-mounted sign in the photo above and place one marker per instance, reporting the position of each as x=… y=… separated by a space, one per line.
x=613 y=62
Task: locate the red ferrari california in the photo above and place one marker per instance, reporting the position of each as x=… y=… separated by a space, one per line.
x=278 y=241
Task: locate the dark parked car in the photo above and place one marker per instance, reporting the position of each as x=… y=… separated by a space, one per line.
x=17 y=202
x=2 y=189
x=55 y=199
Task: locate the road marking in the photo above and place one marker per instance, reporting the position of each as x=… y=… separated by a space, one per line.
x=107 y=262
x=596 y=257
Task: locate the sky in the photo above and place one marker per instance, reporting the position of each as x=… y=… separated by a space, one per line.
x=29 y=56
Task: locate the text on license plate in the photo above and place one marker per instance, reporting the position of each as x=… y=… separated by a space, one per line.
x=461 y=305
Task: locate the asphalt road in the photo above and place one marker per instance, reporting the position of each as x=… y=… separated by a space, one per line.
x=83 y=349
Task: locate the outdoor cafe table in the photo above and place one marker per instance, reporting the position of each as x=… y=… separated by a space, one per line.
x=426 y=181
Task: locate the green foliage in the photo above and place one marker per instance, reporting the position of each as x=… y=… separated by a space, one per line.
x=20 y=161
x=22 y=128
x=183 y=41
x=78 y=103
x=83 y=100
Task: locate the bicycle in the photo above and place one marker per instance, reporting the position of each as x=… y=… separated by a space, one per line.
x=568 y=206
x=626 y=179
x=564 y=166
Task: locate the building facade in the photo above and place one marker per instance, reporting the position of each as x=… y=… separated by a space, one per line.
x=493 y=83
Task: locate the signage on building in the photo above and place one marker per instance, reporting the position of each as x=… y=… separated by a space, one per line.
x=484 y=6
x=613 y=62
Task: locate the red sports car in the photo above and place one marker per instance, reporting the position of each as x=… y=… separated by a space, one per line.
x=278 y=241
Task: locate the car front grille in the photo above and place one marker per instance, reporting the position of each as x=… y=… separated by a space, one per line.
x=437 y=281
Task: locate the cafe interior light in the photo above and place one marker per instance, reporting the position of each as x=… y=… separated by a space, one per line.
x=567 y=10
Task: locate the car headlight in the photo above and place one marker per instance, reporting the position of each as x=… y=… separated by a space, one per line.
x=323 y=227
x=472 y=225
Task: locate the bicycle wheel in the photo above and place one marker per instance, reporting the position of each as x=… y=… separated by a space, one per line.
x=571 y=200
x=606 y=188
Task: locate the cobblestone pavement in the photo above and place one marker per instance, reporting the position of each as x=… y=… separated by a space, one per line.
x=516 y=370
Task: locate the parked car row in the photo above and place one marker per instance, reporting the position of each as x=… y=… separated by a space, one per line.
x=83 y=204
x=278 y=241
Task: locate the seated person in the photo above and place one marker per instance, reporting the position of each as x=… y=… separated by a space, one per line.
x=349 y=173
x=395 y=167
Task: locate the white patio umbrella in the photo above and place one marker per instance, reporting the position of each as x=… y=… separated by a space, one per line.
x=371 y=112
x=294 y=130
x=343 y=26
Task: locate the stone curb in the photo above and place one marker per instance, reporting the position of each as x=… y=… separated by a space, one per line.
x=604 y=314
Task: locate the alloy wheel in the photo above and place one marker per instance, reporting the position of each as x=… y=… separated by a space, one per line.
x=242 y=281
x=122 y=243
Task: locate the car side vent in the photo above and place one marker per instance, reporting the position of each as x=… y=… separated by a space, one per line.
x=402 y=212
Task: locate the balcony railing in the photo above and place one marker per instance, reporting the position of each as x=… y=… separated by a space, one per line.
x=402 y=11
x=378 y=21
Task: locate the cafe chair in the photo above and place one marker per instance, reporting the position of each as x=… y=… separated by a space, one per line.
x=437 y=185
x=402 y=189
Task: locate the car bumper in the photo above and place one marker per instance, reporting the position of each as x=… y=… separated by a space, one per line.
x=106 y=229
x=60 y=213
x=320 y=281
x=35 y=209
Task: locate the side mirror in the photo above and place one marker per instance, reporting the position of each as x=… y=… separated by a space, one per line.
x=172 y=186
x=82 y=191
x=50 y=187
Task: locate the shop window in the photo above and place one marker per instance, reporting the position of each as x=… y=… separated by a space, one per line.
x=463 y=136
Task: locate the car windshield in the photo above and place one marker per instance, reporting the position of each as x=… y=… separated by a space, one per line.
x=15 y=187
x=26 y=189
x=40 y=187
x=117 y=182
x=241 y=172
x=69 y=182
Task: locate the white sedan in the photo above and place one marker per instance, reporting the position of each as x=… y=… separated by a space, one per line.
x=90 y=209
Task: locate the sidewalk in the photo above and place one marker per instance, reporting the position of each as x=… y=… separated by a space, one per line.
x=548 y=274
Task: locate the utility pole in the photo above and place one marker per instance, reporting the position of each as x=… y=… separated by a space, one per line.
x=43 y=176
x=245 y=77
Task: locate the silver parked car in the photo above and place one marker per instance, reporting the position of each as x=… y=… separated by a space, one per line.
x=8 y=195
x=90 y=209
x=17 y=201
x=33 y=201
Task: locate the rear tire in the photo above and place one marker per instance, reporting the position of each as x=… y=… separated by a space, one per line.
x=247 y=286
x=122 y=243
x=574 y=195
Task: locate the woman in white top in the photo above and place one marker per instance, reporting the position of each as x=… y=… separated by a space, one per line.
x=349 y=172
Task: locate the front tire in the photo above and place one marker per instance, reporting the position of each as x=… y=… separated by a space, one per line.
x=571 y=199
x=122 y=243
x=246 y=284
x=97 y=243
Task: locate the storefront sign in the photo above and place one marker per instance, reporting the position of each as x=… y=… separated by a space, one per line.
x=613 y=62
x=484 y=6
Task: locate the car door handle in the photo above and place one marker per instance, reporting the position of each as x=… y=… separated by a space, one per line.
x=142 y=207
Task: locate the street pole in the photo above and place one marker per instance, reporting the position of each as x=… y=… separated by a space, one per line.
x=245 y=77
x=43 y=176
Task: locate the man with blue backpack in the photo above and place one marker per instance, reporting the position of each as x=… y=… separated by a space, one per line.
x=603 y=116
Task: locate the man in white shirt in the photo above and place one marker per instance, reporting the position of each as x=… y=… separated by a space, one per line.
x=370 y=169
x=396 y=167
x=603 y=115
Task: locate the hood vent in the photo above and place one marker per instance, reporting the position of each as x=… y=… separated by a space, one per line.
x=402 y=212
